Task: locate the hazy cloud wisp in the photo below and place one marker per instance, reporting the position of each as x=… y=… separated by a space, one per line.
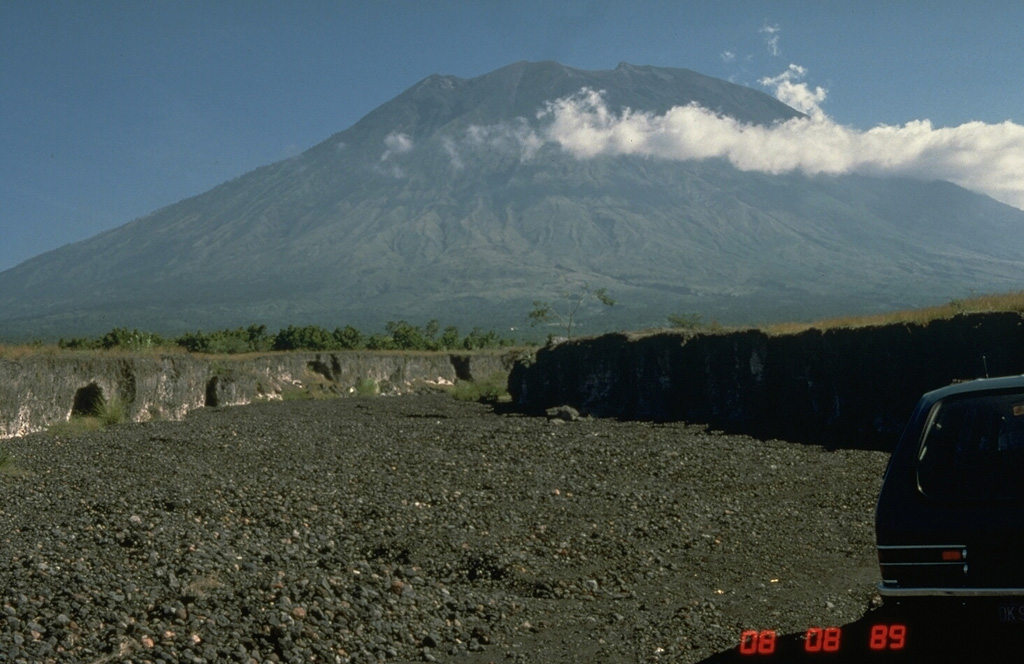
x=396 y=143
x=452 y=150
x=515 y=137
x=771 y=40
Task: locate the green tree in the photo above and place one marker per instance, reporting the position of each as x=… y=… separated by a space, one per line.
x=406 y=336
x=349 y=338
x=197 y=342
x=545 y=312
x=257 y=338
x=431 y=329
x=477 y=339
x=449 y=338
x=310 y=337
x=380 y=342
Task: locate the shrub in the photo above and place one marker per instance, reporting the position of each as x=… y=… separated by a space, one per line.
x=240 y=340
x=120 y=338
x=78 y=343
x=125 y=339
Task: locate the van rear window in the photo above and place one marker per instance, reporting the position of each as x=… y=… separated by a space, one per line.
x=973 y=449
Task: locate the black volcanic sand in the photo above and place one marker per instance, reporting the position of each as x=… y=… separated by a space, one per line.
x=423 y=528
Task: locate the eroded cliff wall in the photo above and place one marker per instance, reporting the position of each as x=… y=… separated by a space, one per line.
x=837 y=387
x=37 y=391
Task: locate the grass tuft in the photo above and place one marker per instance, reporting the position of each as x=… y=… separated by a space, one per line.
x=110 y=412
x=106 y=413
x=492 y=389
x=6 y=461
x=295 y=393
x=76 y=426
x=9 y=465
x=366 y=387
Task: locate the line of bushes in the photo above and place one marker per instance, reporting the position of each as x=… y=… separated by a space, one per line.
x=398 y=335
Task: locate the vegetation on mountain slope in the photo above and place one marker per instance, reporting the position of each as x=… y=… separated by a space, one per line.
x=399 y=335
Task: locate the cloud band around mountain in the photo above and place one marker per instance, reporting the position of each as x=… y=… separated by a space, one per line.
x=987 y=158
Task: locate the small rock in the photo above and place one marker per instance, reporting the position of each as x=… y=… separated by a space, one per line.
x=563 y=413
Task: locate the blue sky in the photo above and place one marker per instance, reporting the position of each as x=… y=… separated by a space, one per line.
x=110 y=110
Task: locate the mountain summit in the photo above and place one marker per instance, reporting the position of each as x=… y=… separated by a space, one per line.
x=456 y=201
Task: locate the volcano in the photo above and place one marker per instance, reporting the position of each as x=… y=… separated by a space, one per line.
x=451 y=202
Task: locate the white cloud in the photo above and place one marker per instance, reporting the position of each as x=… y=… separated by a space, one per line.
x=797 y=95
x=728 y=56
x=396 y=143
x=982 y=157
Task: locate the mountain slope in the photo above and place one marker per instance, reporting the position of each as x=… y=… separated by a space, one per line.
x=445 y=203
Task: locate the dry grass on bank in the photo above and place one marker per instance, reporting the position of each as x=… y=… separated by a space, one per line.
x=1000 y=302
x=992 y=303
x=22 y=351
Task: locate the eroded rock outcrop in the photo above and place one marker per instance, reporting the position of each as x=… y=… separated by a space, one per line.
x=842 y=387
x=37 y=391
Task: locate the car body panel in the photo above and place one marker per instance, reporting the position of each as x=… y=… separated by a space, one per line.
x=950 y=516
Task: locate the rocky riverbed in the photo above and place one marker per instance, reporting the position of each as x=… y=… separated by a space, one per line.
x=421 y=528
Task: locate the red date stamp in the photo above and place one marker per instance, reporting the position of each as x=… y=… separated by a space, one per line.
x=889 y=637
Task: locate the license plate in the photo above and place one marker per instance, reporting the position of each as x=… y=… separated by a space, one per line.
x=1011 y=613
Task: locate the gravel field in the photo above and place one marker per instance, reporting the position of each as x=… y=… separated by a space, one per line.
x=421 y=528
